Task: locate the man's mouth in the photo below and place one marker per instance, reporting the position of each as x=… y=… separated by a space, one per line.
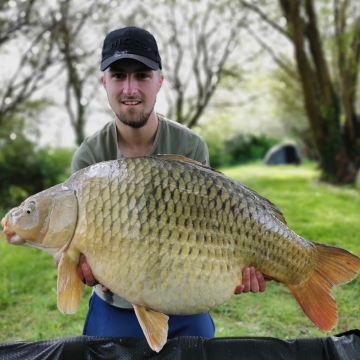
x=133 y=102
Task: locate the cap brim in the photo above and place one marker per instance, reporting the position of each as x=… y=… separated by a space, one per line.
x=146 y=61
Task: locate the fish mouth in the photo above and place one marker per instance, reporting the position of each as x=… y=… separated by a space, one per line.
x=8 y=231
x=3 y=223
x=14 y=239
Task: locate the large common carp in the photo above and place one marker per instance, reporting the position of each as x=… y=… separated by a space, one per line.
x=172 y=236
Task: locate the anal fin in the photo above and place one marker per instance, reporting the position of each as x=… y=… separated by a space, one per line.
x=69 y=285
x=154 y=325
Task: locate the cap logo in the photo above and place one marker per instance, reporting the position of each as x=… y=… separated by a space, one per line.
x=129 y=41
x=118 y=53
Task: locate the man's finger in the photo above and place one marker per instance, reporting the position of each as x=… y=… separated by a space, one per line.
x=239 y=289
x=80 y=272
x=246 y=279
x=254 y=284
x=87 y=275
x=261 y=281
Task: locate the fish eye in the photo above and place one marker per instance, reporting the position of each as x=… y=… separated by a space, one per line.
x=29 y=209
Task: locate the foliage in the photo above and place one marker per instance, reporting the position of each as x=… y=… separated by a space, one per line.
x=27 y=46
x=76 y=53
x=227 y=146
x=217 y=155
x=215 y=143
x=245 y=148
x=324 y=37
x=56 y=45
x=40 y=44
x=26 y=170
x=239 y=149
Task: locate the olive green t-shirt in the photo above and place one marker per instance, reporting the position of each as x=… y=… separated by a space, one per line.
x=170 y=138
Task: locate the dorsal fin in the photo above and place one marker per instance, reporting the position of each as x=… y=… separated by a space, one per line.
x=185 y=159
x=177 y=157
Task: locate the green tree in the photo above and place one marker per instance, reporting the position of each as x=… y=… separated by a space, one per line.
x=47 y=42
x=30 y=46
x=286 y=91
x=328 y=74
x=77 y=57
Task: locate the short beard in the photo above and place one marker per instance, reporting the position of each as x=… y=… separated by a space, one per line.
x=137 y=122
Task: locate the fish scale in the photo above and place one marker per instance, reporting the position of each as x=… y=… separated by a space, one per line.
x=172 y=236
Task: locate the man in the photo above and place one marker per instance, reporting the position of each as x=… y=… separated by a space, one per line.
x=132 y=78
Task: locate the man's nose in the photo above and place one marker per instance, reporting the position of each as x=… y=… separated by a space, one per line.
x=130 y=86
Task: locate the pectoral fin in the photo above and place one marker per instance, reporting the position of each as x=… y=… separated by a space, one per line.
x=70 y=287
x=154 y=325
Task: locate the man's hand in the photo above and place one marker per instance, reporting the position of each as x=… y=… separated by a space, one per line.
x=86 y=274
x=252 y=281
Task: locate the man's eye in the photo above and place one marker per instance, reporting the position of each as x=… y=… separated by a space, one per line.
x=118 y=76
x=142 y=76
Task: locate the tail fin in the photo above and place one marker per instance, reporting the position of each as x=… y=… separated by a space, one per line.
x=334 y=266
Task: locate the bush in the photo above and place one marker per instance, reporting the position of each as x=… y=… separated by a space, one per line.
x=240 y=149
x=246 y=148
x=26 y=170
x=217 y=155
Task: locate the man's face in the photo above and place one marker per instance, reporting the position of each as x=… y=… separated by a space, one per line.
x=131 y=89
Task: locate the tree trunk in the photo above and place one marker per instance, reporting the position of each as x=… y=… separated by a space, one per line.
x=322 y=103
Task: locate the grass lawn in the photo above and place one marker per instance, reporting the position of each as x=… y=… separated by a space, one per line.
x=315 y=211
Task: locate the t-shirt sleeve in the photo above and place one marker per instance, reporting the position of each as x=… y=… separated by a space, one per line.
x=82 y=158
x=202 y=152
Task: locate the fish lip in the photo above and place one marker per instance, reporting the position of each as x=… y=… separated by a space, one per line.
x=14 y=239
x=9 y=237
x=3 y=222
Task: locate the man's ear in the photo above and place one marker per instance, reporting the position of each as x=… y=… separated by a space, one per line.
x=161 y=79
x=103 y=80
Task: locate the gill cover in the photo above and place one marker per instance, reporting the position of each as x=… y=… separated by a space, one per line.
x=62 y=220
x=46 y=220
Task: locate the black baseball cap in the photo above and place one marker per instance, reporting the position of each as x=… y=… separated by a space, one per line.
x=130 y=43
